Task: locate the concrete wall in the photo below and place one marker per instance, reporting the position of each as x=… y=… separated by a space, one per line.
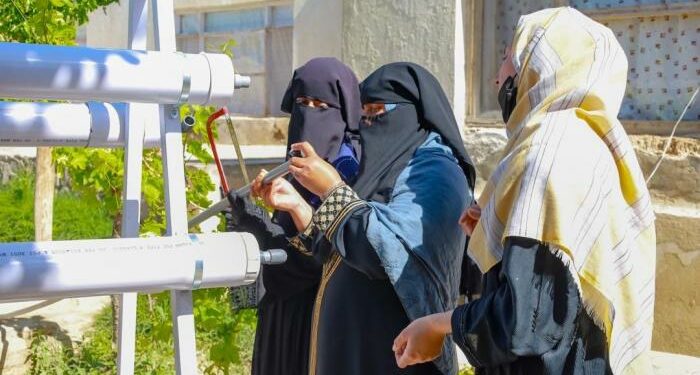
x=185 y=5
x=318 y=30
x=376 y=32
x=366 y=34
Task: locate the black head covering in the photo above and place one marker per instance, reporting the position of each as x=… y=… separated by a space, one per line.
x=334 y=83
x=392 y=139
x=389 y=143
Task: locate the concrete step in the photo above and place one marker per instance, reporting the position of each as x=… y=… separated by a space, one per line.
x=677 y=315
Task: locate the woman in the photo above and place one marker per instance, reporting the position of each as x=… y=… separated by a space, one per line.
x=324 y=101
x=391 y=246
x=566 y=234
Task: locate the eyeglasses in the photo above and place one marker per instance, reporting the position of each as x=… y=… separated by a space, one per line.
x=370 y=111
x=311 y=102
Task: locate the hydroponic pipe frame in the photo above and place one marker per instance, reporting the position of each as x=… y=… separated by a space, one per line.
x=63 y=269
x=34 y=71
x=91 y=124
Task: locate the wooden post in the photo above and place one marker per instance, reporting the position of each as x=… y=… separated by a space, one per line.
x=43 y=195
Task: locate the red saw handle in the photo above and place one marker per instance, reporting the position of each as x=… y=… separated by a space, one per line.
x=222 y=177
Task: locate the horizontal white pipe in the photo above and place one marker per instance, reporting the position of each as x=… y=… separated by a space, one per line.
x=91 y=124
x=34 y=71
x=63 y=269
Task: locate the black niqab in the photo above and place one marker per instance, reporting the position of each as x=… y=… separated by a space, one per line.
x=328 y=80
x=390 y=141
x=334 y=83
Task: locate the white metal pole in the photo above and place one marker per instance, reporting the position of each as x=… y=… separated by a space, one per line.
x=32 y=71
x=91 y=124
x=76 y=268
x=175 y=203
x=131 y=199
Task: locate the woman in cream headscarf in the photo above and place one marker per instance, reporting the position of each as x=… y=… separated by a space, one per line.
x=566 y=237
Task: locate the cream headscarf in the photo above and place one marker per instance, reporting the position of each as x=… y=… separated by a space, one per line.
x=569 y=178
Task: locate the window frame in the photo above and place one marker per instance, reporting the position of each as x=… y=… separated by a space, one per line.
x=202 y=36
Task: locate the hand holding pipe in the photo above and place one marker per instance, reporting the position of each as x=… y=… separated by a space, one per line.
x=279 y=171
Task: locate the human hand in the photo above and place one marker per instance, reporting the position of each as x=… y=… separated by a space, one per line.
x=470 y=218
x=422 y=340
x=279 y=194
x=312 y=171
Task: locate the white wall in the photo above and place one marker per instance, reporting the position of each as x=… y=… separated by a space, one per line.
x=318 y=30
x=366 y=34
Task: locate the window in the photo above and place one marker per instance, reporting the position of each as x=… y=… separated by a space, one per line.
x=262 y=49
x=242 y=20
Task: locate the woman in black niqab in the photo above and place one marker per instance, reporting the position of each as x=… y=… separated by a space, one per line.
x=395 y=245
x=323 y=100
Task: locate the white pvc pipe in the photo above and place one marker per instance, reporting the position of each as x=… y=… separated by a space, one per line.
x=91 y=124
x=33 y=71
x=63 y=269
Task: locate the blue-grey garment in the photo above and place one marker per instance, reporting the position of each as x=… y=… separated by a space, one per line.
x=417 y=238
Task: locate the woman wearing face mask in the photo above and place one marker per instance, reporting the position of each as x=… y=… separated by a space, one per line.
x=390 y=245
x=324 y=102
x=566 y=231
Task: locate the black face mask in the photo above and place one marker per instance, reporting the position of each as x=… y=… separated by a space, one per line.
x=506 y=97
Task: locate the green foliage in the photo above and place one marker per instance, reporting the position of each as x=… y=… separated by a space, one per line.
x=99 y=173
x=45 y=21
x=75 y=217
x=224 y=340
x=226 y=336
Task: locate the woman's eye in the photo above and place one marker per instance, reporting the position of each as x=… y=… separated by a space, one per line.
x=312 y=103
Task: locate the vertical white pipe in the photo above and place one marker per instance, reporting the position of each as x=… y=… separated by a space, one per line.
x=131 y=199
x=175 y=205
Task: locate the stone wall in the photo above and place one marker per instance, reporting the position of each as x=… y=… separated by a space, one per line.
x=10 y=165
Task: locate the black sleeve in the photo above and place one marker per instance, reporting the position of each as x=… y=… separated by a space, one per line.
x=246 y=216
x=363 y=257
x=534 y=305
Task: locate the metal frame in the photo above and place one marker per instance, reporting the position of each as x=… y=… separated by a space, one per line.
x=51 y=72
x=174 y=175
x=131 y=200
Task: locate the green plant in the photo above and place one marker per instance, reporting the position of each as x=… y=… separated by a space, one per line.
x=75 y=217
x=224 y=340
x=99 y=173
x=45 y=21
